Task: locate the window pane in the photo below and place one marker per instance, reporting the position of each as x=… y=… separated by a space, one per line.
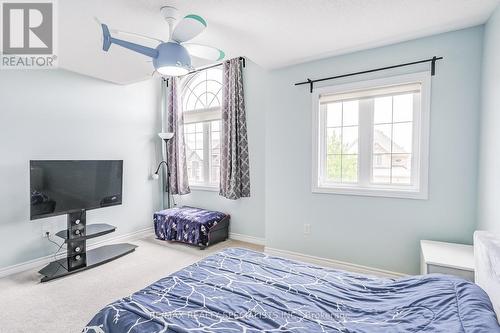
x=202 y=90
x=215 y=144
x=382 y=110
x=190 y=141
x=349 y=168
x=350 y=140
x=333 y=168
x=350 y=113
x=381 y=172
x=215 y=169
x=212 y=99
x=215 y=175
x=382 y=139
x=195 y=166
x=215 y=125
x=215 y=158
x=199 y=141
x=401 y=169
x=334 y=115
x=215 y=152
x=334 y=140
x=189 y=128
x=402 y=138
x=403 y=108
x=190 y=102
x=387 y=120
x=194 y=151
x=199 y=93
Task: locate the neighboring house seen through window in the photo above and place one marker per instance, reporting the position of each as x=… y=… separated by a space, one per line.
x=201 y=99
x=371 y=137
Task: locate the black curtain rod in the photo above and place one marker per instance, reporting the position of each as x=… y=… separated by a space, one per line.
x=431 y=60
x=242 y=59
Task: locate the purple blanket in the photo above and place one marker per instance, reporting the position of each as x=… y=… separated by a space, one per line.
x=186 y=224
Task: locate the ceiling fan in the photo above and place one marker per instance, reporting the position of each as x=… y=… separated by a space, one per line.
x=171 y=57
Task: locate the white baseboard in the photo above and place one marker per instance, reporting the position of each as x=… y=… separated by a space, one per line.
x=247 y=239
x=32 y=264
x=332 y=263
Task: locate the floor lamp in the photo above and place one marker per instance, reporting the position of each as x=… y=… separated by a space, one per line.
x=165 y=136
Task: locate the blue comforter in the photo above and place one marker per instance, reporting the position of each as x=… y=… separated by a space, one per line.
x=238 y=290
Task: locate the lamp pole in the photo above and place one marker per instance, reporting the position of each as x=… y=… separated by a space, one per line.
x=166 y=137
x=167 y=189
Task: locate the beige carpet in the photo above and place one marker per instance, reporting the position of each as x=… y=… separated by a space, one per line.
x=67 y=304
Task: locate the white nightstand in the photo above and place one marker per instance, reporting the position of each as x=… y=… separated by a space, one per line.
x=447 y=258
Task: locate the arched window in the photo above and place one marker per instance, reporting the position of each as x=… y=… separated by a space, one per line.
x=201 y=103
x=203 y=90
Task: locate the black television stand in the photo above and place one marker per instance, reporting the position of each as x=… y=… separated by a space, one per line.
x=78 y=258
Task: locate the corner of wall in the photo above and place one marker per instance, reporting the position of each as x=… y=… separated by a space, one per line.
x=488 y=215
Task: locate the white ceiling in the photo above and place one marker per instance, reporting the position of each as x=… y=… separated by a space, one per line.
x=272 y=33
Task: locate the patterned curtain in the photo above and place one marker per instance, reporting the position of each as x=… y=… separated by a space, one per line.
x=176 y=146
x=235 y=165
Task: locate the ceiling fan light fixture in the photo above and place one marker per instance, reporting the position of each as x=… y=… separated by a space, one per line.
x=173 y=59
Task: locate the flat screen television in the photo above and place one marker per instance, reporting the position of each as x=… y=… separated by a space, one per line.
x=61 y=187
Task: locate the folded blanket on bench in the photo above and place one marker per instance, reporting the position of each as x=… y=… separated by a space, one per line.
x=186 y=224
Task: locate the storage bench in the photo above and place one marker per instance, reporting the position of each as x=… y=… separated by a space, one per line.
x=191 y=225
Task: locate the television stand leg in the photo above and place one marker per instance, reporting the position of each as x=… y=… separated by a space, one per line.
x=76 y=242
x=78 y=258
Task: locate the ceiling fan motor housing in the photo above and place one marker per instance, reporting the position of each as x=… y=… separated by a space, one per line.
x=172 y=54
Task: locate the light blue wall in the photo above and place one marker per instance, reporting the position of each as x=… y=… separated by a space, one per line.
x=377 y=232
x=247 y=214
x=121 y=122
x=489 y=181
x=61 y=115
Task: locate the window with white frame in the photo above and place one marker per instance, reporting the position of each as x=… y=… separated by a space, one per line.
x=371 y=137
x=201 y=103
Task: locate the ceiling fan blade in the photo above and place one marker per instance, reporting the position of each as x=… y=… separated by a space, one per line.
x=133 y=34
x=199 y=63
x=97 y=20
x=108 y=40
x=188 y=28
x=126 y=33
x=204 y=51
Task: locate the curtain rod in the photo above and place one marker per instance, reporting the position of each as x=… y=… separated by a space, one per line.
x=242 y=59
x=431 y=60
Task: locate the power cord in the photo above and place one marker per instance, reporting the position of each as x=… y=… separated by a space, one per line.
x=55 y=243
x=58 y=249
x=60 y=246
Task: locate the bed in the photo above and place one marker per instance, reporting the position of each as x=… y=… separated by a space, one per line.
x=238 y=290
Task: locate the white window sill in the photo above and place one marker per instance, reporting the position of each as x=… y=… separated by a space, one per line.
x=373 y=192
x=204 y=188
